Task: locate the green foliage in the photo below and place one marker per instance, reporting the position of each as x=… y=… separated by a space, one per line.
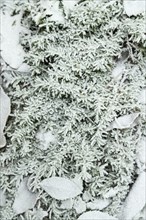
x=71 y=92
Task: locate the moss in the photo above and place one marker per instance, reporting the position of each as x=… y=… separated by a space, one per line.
x=71 y=92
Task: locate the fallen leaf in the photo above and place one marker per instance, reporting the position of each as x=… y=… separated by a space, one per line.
x=2 y=198
x=79 y=206
x=118 y=70
x=61 y=188
x=98 y=204
x=24 y=199
x=67 y=204
x=78 y=180
x=52 y=8
x=141 y=215
x=40 y=214
x=96 y=215
x=134 y=7
x=87 y=196
x=141 y=154
x=111 y=193
x=4 y=113
x=125 y=121
x=11 y=50
x=136 y=200
x=142 y=97
x=69 y=5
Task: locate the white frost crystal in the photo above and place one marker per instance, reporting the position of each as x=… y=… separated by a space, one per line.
x=4 y=113
x=24 y=199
